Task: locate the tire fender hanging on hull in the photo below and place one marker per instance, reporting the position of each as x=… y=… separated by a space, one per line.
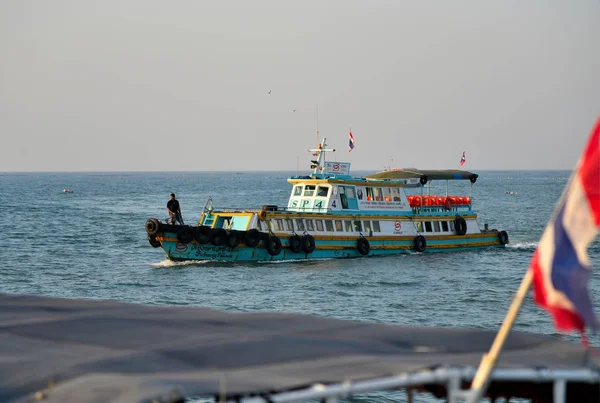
x=308 y=244
x=420 y=243
x=363 y=247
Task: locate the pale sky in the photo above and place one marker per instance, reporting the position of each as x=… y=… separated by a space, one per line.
x=183 y=85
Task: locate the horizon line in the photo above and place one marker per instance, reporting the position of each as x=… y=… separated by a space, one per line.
x=260 y=170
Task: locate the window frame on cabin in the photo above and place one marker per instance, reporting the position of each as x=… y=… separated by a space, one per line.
x=367 y=226
x=329 y=225
x=387 y=195
x=445 y=226
x=376 y=226
x=359 y=194
x=279 y=222
x=319 y=188
x=319 y=225
x=309 y=190
x=348 y=225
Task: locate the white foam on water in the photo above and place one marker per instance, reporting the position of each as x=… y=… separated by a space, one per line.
x=313 y=259
x=523 y=245
x=171 y=263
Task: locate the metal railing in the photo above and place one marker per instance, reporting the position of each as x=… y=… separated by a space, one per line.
x=452 y=378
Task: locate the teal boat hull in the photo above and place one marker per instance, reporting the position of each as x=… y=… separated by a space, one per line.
x=325 y=249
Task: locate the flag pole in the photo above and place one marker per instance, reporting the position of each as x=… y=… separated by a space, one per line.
x=488 y=361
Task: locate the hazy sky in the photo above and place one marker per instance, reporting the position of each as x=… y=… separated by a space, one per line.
x=183 y=85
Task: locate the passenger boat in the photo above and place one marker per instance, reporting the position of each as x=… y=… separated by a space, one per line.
x=331 y=214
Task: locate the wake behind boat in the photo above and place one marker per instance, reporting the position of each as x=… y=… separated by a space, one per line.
x=331 y=214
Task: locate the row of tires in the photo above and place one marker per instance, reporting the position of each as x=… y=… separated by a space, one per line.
x=297 y=243
x=231 y=238
x=420 y=243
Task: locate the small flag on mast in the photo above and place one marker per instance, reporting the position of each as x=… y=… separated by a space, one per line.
x=351 y=142
x=560 y=265
x=463 y=159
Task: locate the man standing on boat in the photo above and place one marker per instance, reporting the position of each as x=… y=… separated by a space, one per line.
x=174 y=210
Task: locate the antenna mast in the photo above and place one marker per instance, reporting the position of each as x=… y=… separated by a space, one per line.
x=317 y=124
x=319 y=164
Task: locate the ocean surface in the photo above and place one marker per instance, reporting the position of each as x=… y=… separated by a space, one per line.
x=92 y=244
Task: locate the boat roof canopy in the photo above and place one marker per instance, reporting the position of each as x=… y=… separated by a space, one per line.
x=443 y=174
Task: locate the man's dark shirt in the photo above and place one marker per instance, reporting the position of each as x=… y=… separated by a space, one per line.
x=173 y=205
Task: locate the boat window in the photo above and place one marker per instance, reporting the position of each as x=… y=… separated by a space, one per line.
x=388 y=194
x=350 y=192
x=436 y=226
x=427 y=226
x=338 y=226
x=343 y=197
x=279 y=222
x=369 y=194
x=299 y=225
x=452 y=226
x=359 y=193
x=445 y=226
x=378 y=194
x=357 y=226
x=396 y=194
x=367 y=225
x=419 y=226
x=319 y=225
x=309 y=190
x=329 y=225
x=348 y=225
x=298 y=190
x=323 y=191
x=376 y=226
x=289 y=224
x=310 y=225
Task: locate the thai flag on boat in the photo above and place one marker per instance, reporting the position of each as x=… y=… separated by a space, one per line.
x=351 y=142
x=463 y=159
x=560 y=265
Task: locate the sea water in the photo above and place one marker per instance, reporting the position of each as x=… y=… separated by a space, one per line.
x=91 y=243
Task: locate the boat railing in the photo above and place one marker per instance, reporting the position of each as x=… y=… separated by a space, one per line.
x=236 y=210
x=304 y=210
x=273 y=210
x=441 y=209
x=448 y=380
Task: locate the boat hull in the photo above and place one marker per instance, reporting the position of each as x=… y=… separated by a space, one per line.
x=325 y=248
